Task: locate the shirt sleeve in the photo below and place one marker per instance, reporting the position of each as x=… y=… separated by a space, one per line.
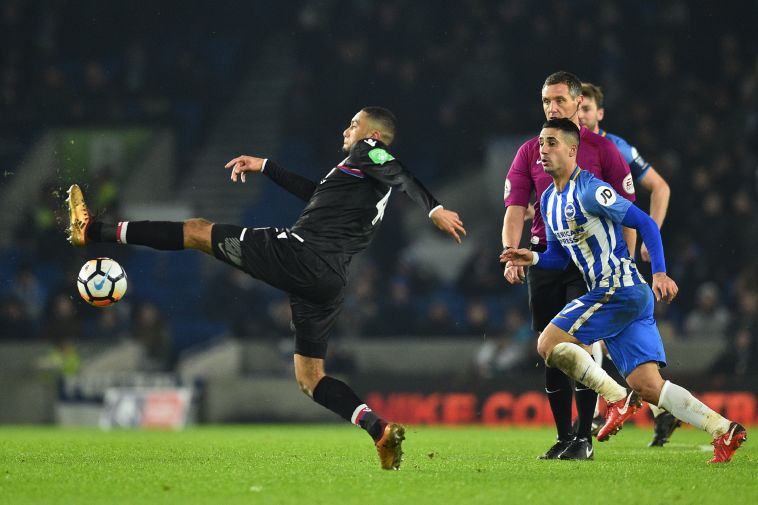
x=600 y=199
x=637 y=164
x=298 y=185
x=651 y=236
x=555 y=257
x=518 y=183
x=372 y=158
x=616 y=170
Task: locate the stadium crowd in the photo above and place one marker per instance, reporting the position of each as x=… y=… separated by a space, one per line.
x=456 y=77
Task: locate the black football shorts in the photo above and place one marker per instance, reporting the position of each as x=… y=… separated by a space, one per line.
x=551 y=290
x=282 y=260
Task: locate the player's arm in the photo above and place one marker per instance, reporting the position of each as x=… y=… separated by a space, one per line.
x=660 y=194
x=513 y=227
x=298 y=185
x=664 y=287
x=374 y=160
x=516 y=193
x=555 y=257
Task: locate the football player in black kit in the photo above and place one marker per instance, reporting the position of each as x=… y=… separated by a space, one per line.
x=310 y=260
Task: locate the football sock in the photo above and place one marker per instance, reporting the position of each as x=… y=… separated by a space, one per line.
x=689 y=409
x=597 y=353
x=586 y=401
x=657 y=411
x=579 y=365
x=337 y=396
x=163 y=235
x=559 y=394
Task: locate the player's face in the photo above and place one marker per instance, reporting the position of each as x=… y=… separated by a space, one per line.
x=590 y=115
x=558 y=103
x=555 y=152
x=360 y=128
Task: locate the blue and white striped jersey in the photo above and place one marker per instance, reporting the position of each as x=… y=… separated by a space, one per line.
x=585 y=219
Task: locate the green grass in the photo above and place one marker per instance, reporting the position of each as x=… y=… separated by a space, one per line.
x=337 y=464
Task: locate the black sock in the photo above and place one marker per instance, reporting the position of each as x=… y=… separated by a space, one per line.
x=162 y=235
x=560 y=394
x=586 y=399
x=337 y=396
x=101 y=232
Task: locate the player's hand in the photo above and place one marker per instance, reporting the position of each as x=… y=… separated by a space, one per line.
x=513 y=274
x=242 y=164
x=517 y=257
x=644 y=254
x=664 y=287
x=449 y=222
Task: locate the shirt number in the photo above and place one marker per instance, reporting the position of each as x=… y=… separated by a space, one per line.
x=575 y=304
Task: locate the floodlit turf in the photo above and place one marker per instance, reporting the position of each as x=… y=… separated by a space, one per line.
x=337 y=464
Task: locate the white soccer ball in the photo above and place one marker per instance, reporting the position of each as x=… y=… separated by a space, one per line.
x=101 y=282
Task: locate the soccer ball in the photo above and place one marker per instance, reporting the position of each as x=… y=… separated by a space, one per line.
x=101 y=282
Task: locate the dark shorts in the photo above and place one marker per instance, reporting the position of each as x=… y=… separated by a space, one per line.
x=281 y=259
x=551 y=290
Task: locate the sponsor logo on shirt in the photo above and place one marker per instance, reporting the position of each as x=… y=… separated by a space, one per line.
x=605 y=196
x=570 y=237
x=507 y=189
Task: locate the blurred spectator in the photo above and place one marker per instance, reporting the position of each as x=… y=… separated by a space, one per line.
x=28 y=291
x=152 y=332
x=112 y=323
x=15 y=323
x=709 y=318
x=480 y=276
x=438 y=320
x=478 y=320
x=506 y=354
x=398 y=312
x=62 y=329
x=236 y=298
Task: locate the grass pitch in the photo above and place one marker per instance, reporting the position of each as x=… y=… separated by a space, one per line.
x=337 y=464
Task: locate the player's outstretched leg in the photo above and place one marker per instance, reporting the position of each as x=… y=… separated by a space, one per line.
x=162 y=235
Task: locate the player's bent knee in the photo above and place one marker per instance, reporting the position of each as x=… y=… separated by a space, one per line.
x=544 y=346
x=197 y=234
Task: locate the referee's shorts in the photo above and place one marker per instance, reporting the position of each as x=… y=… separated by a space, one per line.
x=551 y=290
x=279 y=258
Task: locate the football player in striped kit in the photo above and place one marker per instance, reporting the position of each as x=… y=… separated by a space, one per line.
x=584 y=216
x=590 y=114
